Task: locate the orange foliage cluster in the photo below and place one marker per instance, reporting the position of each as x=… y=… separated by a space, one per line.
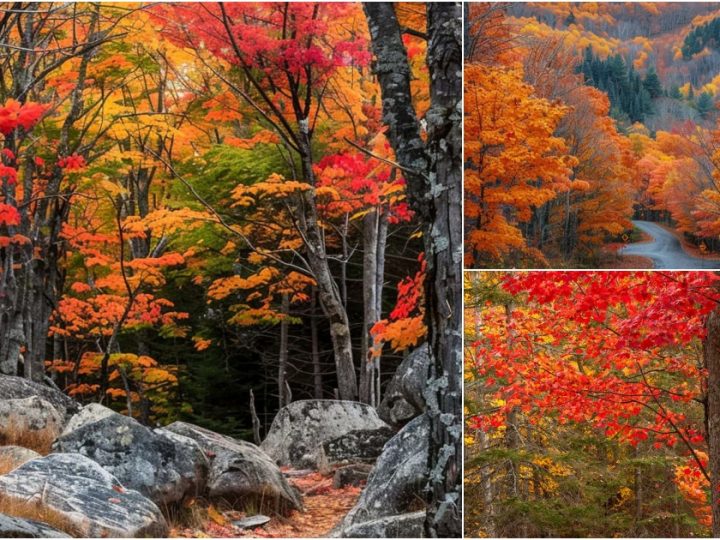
x=679 y=178
x=694 y=487
x=405 y=327
x=515 y=164
x=111 y=294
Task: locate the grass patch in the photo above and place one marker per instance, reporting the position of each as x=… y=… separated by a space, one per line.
x=192 y=514
x=17 y=435
x=37 y=511
x=8 y=464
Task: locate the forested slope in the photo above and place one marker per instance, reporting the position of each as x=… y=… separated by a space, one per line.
x=624 y=96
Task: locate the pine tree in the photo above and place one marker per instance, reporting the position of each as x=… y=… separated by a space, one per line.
x=631 y=99
x=652 y=83
x=705 y=104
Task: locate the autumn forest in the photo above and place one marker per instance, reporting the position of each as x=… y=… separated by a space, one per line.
x=592 y=141
x=215 y=237
x=592 y=400
x=359 y=269
x=591 y=135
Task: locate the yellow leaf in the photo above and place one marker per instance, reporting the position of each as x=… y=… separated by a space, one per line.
x=361 y=214
x=216 y=516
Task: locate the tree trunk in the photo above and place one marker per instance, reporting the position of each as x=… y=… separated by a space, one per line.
x=328 y=290
x=434 y=178
x=711 y=351
x=283 y=352
x=255 y=420
x=371 y=316
x=444 y=249
x=332 y=306
x=317 y=371
x=379 y=286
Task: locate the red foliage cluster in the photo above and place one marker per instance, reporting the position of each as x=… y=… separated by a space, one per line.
x=9 y=215
x=269 y=31
x=359 y=183
x=612 y=349
x=13 y=114
x=73 y=162
x=410 y=293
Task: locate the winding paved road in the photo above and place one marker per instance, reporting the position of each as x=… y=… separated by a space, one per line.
x=665 y=250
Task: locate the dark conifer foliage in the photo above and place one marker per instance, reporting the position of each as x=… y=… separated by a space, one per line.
x=630 y=95
x=705 y=35
x=705 y=104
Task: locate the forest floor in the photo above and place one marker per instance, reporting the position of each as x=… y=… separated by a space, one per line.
x=325 y=507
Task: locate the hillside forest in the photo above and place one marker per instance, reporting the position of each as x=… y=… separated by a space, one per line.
x=591 y=135
x=209 y=212
x=592 y=404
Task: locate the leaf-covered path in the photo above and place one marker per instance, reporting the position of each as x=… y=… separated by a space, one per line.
x=325 y=507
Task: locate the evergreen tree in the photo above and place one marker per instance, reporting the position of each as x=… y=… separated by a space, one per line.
x=675 y=92
x=631 y=100
x=570 y=19
x=705 y=104
x=652 y=83
x=705 y=35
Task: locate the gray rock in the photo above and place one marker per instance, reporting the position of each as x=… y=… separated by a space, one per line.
x=362 y=445
x=160 y=465
x=92 y=500
x=14 y=527
x=252 y=522
x=396 y=484
x=88 y=414
x=241 y=471
x=403 y=399
x=18 y=388
x=351 y=475
x=400 y=526
x=301 y=428
x=32 y=422
x=11 y=457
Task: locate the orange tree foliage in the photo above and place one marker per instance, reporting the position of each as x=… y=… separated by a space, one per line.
x=514 y=162
x=110 y=296
x=679 y=180
x=549 y=179
x=604 y=177
x=404 y=328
